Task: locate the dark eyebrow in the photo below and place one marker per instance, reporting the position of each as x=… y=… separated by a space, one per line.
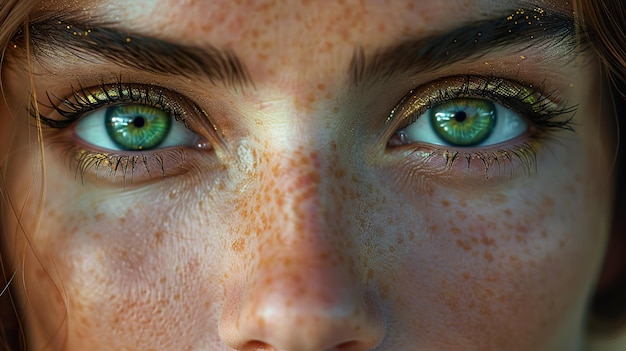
x=95 y=43
x=521 y=28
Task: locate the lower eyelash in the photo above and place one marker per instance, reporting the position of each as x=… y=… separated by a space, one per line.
x=125 y=168
x=491 y=165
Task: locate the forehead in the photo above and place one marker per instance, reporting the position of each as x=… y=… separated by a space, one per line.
x=296 y=35
x=285 y=24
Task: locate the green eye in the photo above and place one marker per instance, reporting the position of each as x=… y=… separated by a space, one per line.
x=136 y=127
x=464 y=122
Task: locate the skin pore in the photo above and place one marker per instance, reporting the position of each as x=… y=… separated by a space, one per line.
x=298 y=218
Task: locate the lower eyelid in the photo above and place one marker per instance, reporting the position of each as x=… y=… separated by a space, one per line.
x=126 y=169
x=470 y=166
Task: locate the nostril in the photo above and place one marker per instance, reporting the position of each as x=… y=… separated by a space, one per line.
x=256 y=345
x=347 y=346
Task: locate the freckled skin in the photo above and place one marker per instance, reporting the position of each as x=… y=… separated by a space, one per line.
x=300 y=233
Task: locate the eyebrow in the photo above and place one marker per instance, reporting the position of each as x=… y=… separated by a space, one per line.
x=95 y=43
x=522 y=28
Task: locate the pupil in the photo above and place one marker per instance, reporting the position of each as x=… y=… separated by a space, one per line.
x=460 y=116
x=139 y=121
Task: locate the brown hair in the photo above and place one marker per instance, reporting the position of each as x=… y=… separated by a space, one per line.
x=605 y=22
x=13 y=17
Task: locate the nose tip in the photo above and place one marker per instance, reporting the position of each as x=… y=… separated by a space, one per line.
x=304 y=318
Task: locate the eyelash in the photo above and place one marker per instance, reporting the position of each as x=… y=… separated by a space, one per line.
x=127 y=163
x=547 y=115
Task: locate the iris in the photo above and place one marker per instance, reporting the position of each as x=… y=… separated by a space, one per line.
x=137 y=127
x=464 y=122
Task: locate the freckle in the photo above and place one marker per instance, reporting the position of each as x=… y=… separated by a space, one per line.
x=520 y=239
x=445 y=203
x=464 y=245
x=162 y=280
x=488 y=256
x=466 y=276
x=339 y=173
x=508 y=212
x=392 y=248
x=544 y=234
x=487 y=241
x=262 y=56
x=547 y=201
x=455 y=231
x=411 y=236
x=461 y=215
x=158 y=236
x=522 y=228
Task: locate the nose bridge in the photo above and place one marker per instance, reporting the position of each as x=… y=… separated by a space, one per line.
x=301 y=193
x=305 y=232
x=303 y=290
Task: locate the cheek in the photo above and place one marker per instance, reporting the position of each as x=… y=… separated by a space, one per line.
x=126 y=267
x=505 y=267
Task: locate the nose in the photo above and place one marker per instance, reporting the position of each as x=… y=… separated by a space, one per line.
x=303 y=291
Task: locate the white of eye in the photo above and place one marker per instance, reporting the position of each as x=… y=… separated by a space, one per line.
x=508 y=126
x=91 y=129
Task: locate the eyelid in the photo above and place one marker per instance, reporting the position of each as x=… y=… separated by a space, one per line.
x=546 y=115
x=90 y=162
x=526 y=100
x=83 y=100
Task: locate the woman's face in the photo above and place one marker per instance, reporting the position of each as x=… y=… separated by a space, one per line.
x=346 y=175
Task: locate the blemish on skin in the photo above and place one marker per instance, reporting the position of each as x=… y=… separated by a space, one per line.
x=464 y=245
x=522 y=228
x=238 y=245
x=487 y=241
x=158 y=236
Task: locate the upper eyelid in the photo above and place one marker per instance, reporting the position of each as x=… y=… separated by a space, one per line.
x=83 y=100
x=448 y=88
x=553 y=111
